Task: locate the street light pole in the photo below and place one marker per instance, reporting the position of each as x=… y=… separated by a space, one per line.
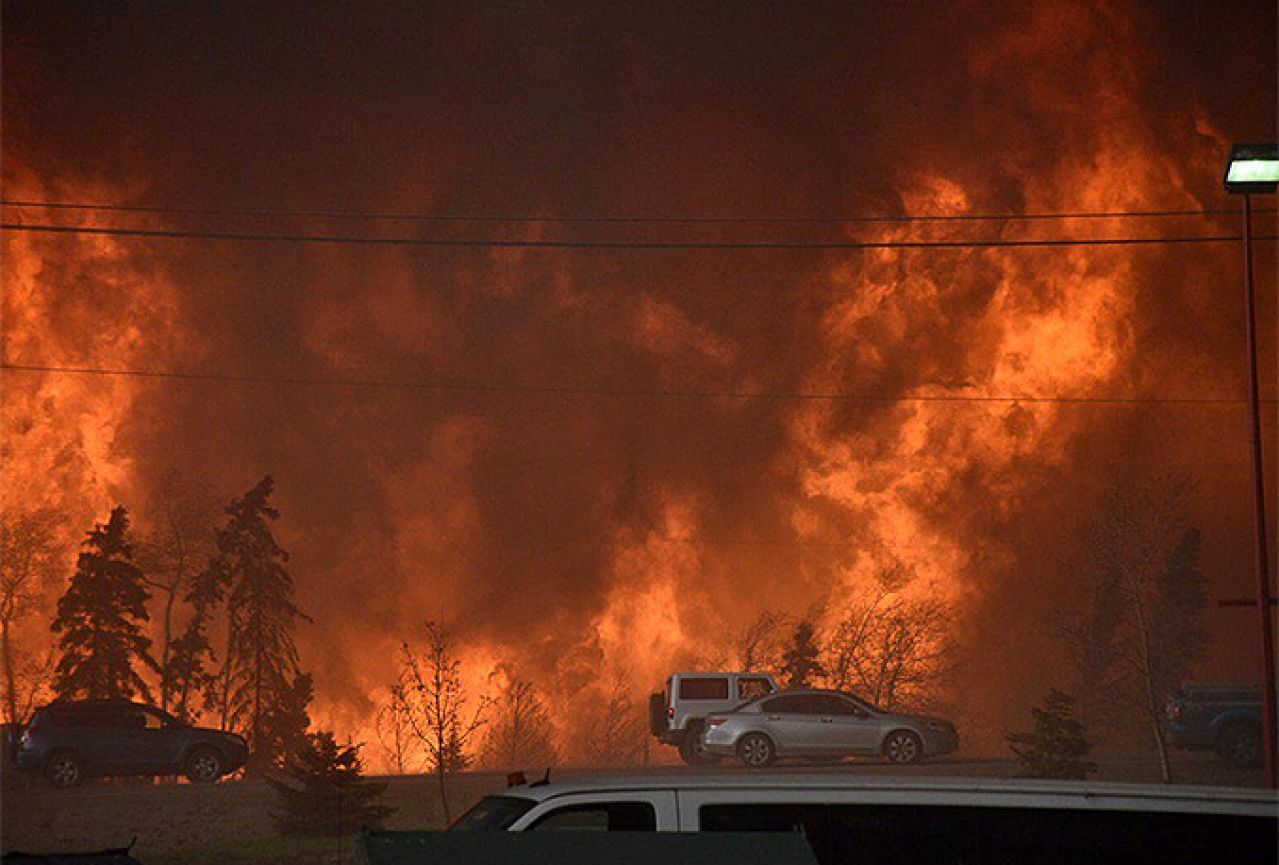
x=1260 y=526
x=1255 y=168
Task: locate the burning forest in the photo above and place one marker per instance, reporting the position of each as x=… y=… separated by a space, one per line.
x=570 y=351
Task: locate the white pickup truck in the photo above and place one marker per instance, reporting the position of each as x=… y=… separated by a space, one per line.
x=677 y=715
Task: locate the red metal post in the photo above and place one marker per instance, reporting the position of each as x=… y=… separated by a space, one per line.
x=1259 y=500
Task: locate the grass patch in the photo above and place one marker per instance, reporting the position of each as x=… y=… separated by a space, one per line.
x=258 y=851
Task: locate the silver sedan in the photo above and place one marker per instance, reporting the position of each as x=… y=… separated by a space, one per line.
x=823 y=724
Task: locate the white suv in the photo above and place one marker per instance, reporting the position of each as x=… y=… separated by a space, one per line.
x=677 y=715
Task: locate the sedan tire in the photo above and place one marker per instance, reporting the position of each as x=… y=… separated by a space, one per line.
x=64 y=769
x=903 y=747
x=203 y=766
x=756 y=750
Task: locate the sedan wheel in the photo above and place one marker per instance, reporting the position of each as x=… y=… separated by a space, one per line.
x=756 y=750
x=903 y=746
x=64 y=770
x=204 y=766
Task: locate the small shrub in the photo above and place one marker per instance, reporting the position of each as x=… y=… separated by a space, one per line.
x=329 y=794
x=1056 y=748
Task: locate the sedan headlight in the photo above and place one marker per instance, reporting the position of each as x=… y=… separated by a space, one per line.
x=940 y=726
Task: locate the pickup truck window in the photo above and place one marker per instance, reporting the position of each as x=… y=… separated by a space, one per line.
x=940 y=834
x=493 y=812
x=600 y=817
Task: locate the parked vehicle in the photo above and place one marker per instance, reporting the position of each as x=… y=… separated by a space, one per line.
x=1223 y=716
x=69 y=741
x=916 y=820
x=677 y=715
x=817 y=724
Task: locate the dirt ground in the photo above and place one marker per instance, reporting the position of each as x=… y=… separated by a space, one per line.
x=230 y=822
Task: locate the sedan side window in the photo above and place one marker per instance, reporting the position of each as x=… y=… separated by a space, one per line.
x=600 y=817
x=790 y=704
x=832 y=705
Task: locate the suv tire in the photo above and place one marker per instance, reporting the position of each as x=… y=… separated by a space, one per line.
x=691 y=750
x=903 y=747
x=64 y=769
x=203 y=765
x=1240 y=745
x=756 y=750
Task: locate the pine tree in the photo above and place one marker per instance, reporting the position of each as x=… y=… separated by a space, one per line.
x=329 y=794
x=1056 y=748
x=189 y=681
x=262 y=693
x=800 y=663
x=100 y=619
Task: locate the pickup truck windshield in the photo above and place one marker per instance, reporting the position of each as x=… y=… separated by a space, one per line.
x=492 y=813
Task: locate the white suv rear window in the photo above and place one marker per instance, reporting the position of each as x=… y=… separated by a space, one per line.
x=703 y=689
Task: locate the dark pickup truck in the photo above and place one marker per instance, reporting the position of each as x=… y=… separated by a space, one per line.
x=1222 y=716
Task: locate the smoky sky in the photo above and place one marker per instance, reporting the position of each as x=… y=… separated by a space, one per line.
x=504 y=510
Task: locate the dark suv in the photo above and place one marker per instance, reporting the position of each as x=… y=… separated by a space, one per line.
x=69 y=741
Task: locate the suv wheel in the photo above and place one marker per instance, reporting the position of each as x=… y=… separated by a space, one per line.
x=691 y=750
x=204 y=766
x=64 y=769
x=1240 y=745
x=903 y=746
x=756 y=750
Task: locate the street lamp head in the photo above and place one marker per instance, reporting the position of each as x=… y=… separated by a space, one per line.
x=1253 y=168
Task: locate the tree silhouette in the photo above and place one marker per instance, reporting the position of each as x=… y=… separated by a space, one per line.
x=1056 y=748
x=1144 y=630
x=169 y=552
x=800 y=664
x=262 y=691
x=519 y=732
x=27 y=556
x=100 y=619
x=757 y=646
x=891 y=648
x=434 y=704
x=329 y=794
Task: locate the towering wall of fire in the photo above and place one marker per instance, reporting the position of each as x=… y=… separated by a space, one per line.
x=624 y=525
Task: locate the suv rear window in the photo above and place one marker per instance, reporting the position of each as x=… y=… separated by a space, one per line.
x=703 y=689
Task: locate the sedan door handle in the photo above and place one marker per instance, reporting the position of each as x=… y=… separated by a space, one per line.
x=774 y=717
x=828 y=720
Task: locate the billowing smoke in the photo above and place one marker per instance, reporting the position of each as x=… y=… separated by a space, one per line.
x=636 y=454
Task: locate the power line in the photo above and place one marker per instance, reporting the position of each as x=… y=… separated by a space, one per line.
x=616 y=244
x=568 y=390
x=623 y=220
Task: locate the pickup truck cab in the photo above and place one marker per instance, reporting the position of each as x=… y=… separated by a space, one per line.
x=677 y=715
x=849 y=819
x=1221 y=716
